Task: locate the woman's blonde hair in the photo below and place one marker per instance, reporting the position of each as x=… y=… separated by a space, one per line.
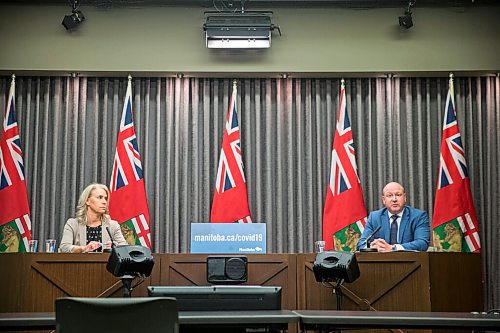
x=81 y=208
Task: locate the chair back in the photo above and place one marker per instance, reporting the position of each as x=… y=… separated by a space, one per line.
x=123 y=315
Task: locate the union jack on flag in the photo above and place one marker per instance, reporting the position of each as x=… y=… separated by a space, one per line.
x=225 y=180
x=455 y=226
x=230 y=203
x=15 y=222
x=343 y=153
x=456 y=166
x=127 y=151
x=344 y=214
x=128 y=203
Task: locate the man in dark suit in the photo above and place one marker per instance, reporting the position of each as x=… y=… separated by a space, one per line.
x=402 y=227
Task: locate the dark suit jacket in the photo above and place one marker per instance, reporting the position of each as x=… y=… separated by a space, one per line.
x=414 y=232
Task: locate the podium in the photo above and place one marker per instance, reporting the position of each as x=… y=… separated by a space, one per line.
x=399 y=281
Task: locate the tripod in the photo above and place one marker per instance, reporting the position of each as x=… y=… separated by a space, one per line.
x=127 y=285
x=337 y=290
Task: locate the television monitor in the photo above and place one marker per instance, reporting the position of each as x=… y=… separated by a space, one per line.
x=221 y=298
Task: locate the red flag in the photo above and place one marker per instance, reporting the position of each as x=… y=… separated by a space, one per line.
x=344 y=216
x=230 y=202
x=15 y=222
x=128 y=203
x=455 y=227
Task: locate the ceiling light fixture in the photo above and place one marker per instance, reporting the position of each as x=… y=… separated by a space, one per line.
x=245 y=30
x=72 y=21
x=406 y=20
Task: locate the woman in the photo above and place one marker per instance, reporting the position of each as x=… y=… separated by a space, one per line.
x=87 y=231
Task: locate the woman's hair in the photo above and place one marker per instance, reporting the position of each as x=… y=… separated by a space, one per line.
x=81 y=208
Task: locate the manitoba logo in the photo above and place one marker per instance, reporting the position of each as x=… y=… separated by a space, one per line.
x=347 y=238
x=457 y=235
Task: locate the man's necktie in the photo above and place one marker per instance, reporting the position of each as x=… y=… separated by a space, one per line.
x=394 y=230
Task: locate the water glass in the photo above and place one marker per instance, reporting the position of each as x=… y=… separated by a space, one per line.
x=50 y=245
x=33 y=245
x=319 y=246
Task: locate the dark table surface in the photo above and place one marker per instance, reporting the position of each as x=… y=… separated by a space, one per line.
x=390 y=319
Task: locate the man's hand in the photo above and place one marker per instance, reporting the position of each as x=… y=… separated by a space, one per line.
x=381 y=245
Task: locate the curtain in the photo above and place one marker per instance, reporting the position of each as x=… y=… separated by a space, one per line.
x=68 y=128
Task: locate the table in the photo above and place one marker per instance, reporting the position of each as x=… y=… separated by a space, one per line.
x=325 y=320
x=319 y=320
x=188 y=320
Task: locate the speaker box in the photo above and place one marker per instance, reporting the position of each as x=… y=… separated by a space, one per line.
x=226 y=270
x=331 y=266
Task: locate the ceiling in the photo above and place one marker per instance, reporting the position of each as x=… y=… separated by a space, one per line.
x=263 y=3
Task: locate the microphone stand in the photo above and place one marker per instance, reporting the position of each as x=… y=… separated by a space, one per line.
x=369 y=240
x=368 y=249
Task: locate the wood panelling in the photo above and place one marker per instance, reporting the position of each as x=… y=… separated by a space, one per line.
x=401 y=281
x=263 y=270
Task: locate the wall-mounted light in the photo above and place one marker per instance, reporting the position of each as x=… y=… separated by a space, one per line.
x=74 y=19
x=245 y=30
x=406 y=20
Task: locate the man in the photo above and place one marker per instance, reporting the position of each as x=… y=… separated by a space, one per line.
x=402 y=227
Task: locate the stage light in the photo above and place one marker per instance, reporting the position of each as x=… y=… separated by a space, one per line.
x=128 y=261
x=406 y=21
x=74 y=19
x=333 y=266
x=245 y=30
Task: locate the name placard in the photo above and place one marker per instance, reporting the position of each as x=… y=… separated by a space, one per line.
x=228 y=238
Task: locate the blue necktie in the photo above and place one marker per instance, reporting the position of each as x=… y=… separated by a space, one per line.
x=394 y=230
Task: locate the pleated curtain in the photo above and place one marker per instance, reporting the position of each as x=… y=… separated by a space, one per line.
x=68 y=128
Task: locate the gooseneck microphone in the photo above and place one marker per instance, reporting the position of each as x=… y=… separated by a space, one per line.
x=368 y=240
x=110 y=237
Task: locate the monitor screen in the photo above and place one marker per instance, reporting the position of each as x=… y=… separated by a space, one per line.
x=221 y=298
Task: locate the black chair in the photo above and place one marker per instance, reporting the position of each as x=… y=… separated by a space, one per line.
x=122 y=315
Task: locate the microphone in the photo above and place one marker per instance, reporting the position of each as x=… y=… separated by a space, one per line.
x=111 y=237
x=368 y=239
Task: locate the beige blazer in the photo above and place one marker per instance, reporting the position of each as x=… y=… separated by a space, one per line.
x=76 y=234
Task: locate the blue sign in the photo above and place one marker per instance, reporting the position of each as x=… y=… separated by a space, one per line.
x=228 y=238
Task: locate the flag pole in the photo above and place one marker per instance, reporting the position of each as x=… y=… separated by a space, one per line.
x=129 y=78
x=13 y=78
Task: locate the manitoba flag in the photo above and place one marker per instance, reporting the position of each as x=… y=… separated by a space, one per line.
x=230 y=202
x=344 y=216
x=127 y=203
x=455 y=227
x=15 y=222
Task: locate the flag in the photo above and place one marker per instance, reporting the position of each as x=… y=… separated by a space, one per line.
x=344 y=215
x=15 y=222
x=454 y=224
x=230 y=203
x=128 y=203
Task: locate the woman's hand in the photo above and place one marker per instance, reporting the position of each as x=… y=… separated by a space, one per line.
x=87 y=248
x=93 y=245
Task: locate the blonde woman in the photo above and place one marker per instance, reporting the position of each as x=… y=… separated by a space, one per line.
x=86 y=232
